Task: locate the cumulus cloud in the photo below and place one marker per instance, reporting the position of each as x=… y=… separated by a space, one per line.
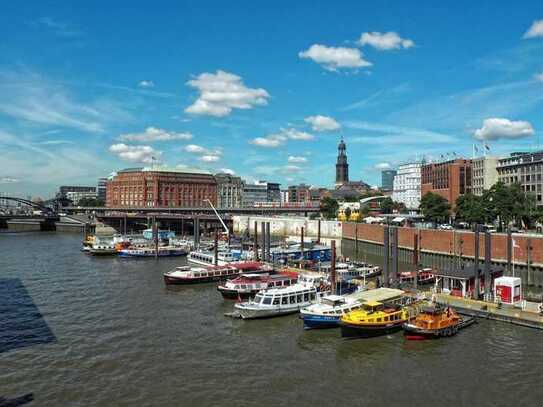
x=227 y=171
x=497 y=128
x=335 y=58
x=146 y=84
x=135 y=154
x=152 y=134
x=535 y=30
x=384 y=41
x=210 y=158
x=8 y=180
x=383 y=166
x=278 y=139
x=322 y=123
x=539 y=76
x=221 y=92
x=296 y=159
x=196 y=149
x=289 y=169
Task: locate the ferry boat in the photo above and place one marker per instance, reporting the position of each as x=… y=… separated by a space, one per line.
x=351 y=270
x=163 y=251
x=195 y=275
x=327 y=313
x=248 y=285
x=424 y=276
x=207 y=258
x=373 y=319
x=435 y=321
x=103 y=249
x=284 y=300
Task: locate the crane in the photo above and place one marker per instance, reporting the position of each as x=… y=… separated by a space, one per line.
x=219 y=217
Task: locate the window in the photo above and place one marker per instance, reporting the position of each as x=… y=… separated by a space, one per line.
x=306 y=297
x=299 y=298
x=293 y=299
x=267 y=300
x=258 y=299
x=276 y=301
x=378 y=319
x=284 y=300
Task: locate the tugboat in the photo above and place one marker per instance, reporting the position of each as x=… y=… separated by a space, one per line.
x=373 y=319
x=248 y=285
x=435 y=321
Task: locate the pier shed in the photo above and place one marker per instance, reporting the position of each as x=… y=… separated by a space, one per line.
x=460 y=281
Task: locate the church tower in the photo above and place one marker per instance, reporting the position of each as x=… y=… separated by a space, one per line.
x=342 y=167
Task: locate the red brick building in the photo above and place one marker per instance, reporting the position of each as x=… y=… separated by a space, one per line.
x=450 y=179
x=158 y=187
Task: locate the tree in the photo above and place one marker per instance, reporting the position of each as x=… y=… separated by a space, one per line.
x=90 y=202
x=470 y=208
x=434 y=207
x=329 y=207
x=387 y=205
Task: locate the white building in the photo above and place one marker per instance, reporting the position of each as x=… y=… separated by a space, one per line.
x=406 y=185
x=75 y=197
x=483 y=174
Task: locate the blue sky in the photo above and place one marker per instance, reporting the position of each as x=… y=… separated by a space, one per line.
x=262 y=89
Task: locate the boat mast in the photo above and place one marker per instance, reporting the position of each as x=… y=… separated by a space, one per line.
x=219 y=217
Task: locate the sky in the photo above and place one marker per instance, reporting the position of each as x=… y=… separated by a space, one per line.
x=264 y=90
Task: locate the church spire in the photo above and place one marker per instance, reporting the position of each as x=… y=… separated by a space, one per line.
x=342 y=167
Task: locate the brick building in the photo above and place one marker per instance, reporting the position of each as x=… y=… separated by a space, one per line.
x=450 y=179
x=161 y=187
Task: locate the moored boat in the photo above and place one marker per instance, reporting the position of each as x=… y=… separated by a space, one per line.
x=103 y=249
x=424 y=276
x=435 y=321
x=247 y=285
x=373 y=319
x=163 y=251
x=207 y=258
x=195 y=275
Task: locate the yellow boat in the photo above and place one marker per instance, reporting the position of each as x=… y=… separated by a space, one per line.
x=373 y=319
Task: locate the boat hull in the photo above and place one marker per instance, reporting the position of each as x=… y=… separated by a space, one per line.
x=257 y=313
x=186 y=281
x=369 y=331
x=414 y=332
x=235 y=295
x=147 y=255
x=313 y=321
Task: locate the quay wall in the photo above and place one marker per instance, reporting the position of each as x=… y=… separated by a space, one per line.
x=440 y=248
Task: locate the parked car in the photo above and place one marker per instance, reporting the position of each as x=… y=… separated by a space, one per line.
x=445 y=226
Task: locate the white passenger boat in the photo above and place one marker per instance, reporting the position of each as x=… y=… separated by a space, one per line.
x=163 y=251
x=103 y=249
x=284 y=300
x=194 y=275
x=207 y=258
x=327 y=312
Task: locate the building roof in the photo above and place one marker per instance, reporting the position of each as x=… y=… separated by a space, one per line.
x=166 y=169
x=467 y=272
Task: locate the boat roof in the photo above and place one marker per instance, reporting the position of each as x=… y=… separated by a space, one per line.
x=373 y=303
x=289 y=289
x=333 y=297
x=382 y=294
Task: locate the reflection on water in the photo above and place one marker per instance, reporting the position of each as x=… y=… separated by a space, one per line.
x=123 y=338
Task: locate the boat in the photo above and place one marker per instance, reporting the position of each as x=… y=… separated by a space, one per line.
x=207 y=258
x=161 y=234
x=247 y=285
x=284 y=300
x=424 y=276
x=163 y=251
x=374 y=318
x=327 y=313
x=350 y=270
x=195 y=275
x=103 y=249
x=435 y=321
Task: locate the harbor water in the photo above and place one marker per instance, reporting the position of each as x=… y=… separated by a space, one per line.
x=77 y=330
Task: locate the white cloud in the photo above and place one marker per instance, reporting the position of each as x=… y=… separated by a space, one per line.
x=152 y=134
x=539 y=76
x=296 y=159
x=334 y=58
x=535 y=30
x=383 y=166
x=210 y=158
x=221 y=92
x=322 y=123
x=227 y=171
x=146 y=84
x=196 y=149
x=289 y=169
x=8 y=180
x=497 y=128
x=135 y=154
x=385 y=41
x=278 y=139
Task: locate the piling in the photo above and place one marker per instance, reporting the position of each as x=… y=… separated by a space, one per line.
x=386 y=245
x=302 y=247
x=356 y=240
x=333 y=266
x=263 y=246
x=416 y=259
x=196 y=231
x=256 y=241
x=268 y=241
x=529 y=277
x=155 y=236
x=318 y=231
x=216 y=249
x=488 y=259
x=476 y=262
x=394 y=232
x=124 y=224
x=509 y=253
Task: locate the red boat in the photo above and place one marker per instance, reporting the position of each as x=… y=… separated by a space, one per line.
x=424 y=276
x=247 y=285
x=194 y=275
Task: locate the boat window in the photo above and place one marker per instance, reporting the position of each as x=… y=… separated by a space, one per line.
x=267 y=300
x=306 y=297
x=293 y=299
x=312 y=296
x=243 y=286
x=284 y=300
x=299 y=298
x=258 y=299
x=385 y=319
x=279 y=283
x=287 y=282
x=276 y=301
x=378 y=319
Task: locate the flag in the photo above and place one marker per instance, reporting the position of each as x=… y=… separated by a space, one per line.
x=487 y=147
x=475 y=148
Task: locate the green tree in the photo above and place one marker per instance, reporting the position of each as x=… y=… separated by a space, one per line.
x=90 y=202
x=434 y=207
x=387 y=205
x=470 y=208
x=329 y=207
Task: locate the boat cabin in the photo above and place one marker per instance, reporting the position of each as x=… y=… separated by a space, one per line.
x=285 y=297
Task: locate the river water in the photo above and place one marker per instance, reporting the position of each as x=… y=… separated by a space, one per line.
x=87 y=331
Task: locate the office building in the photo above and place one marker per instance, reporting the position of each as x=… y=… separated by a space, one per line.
x=483 y=174
x=387 y=179
x=525 y=169
x=407 y=185
x=229 y=190
x=450 y=179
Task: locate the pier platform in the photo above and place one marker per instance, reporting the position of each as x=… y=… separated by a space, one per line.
x=528 y=316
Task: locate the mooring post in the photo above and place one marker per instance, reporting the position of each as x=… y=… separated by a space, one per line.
x=488 y=259
x=196 y=231
x=529 y=279
x=302 y=247
x=256 y=241
x=356 y=240
x=318 y=231
x=216 y=248
x=394 y=231
x=333 y=266
x=263 y=245
x=476 y=288
x=268 y=241
x=509 y=252
x=385 y=255
x=416 y=259
x=155 y=236
x=124 y=224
